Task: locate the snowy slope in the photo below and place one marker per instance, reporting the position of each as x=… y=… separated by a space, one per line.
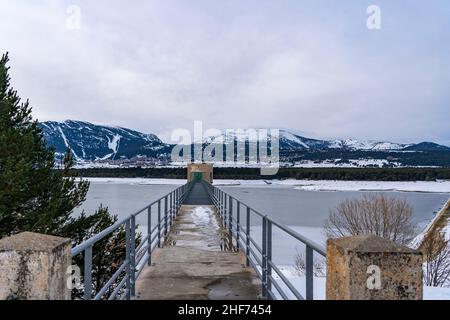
x=94 y=142
x=352 y=144
x=90 y=142
x=293 y=142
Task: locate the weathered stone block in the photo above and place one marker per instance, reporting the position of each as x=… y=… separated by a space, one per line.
x=372 y=268
x=34 y=267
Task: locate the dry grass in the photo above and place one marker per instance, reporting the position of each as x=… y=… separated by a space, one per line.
x=441 y=222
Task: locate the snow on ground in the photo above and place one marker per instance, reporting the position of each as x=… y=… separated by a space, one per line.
x=436 y=293
x=138 y=181
x=231 y=182
x=204 y=216
x=352 y=163
x=409 y=186
x=113 y=143
x=299 y=283
x=442 y=186
x=415 y=243
x=446 y=231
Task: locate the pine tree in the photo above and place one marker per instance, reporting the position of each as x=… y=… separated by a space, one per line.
x=36 y=197
x=33 y=196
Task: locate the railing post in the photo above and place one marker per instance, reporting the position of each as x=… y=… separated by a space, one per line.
x=170 y=209
x=247 y=238
x=159 y=223
x=269 y=257
x=230 y=219
x=309 y=273
x=222 y=206
x=127 y=255
x=175 y=209
x=165 y=217
x=225 y=212
x=218 y=200
x=174 y=200
x=238 y=223
x=88 y=273
x=149 y=233
x=133 y=255
x=264 y=257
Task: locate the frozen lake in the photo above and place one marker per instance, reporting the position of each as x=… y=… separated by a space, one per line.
x=284 y=203
x=304 y=210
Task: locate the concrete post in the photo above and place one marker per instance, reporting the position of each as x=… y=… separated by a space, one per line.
x=372 y=268
x=34 y=267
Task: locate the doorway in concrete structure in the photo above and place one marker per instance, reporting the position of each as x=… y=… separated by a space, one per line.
x=198 y=176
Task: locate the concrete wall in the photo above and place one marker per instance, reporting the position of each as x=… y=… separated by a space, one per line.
x=372 y=268
x=34 y=267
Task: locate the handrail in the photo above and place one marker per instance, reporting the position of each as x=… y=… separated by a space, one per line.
x=263 y=265
x=78 y=249
x=125 y=288
x=122 y=282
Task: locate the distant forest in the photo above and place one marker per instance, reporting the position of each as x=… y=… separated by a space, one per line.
x=378 y=174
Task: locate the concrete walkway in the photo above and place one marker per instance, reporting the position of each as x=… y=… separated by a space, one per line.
x=198 y=195
x=192 y=265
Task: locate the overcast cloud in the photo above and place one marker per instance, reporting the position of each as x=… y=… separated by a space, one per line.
x=312 y=66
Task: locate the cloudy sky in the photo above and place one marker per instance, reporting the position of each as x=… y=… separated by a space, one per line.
x=308 y=65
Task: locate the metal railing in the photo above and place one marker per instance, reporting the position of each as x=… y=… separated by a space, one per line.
x=137 y=255
x=260 y=256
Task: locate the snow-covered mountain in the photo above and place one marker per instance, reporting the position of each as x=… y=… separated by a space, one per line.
x=94 y=143
x=352 y=144
x=293 y=142
x=90 y=142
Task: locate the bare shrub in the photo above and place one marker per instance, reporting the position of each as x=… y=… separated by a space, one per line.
x=376 y=214
x=436 y=252
x=319 y=269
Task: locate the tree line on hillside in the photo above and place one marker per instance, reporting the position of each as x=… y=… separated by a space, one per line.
x=437 y=158
x=377 y=174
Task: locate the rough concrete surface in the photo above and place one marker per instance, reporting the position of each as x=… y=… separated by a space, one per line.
x=33 y=267
x=193 y=265
x=372 y=268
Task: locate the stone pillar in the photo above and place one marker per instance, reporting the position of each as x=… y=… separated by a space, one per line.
x=206 y=169
x=34 y=267
x=372 y=268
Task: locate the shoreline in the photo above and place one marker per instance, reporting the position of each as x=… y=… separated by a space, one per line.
x=435 y=223
x=306 y=185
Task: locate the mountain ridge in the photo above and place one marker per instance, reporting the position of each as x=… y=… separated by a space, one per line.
x=95 y=143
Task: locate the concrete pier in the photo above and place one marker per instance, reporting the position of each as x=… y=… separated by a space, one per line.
x=193 y=264
x=34 y=267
